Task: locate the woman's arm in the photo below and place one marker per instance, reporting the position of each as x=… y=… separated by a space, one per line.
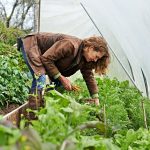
x=59 y=50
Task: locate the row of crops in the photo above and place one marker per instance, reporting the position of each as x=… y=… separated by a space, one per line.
x=66 y=122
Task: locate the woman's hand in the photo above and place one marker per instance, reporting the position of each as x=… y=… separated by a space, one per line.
x=65 y=82
x=92 y=101
x=96 y=100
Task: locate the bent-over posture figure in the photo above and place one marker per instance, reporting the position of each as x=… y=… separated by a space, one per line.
x=60 y=56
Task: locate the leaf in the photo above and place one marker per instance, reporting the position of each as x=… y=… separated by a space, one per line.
x=33 y=138
x=48 y=146
x=109 y=145
x=67 y=109
x=15 y=61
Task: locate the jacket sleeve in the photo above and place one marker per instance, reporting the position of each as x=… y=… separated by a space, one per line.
x=59 y=50
x=88 y=76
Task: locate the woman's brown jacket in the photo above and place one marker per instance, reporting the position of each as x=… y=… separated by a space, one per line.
x=53 y=53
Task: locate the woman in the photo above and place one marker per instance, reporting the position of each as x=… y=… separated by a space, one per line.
x=61 y=55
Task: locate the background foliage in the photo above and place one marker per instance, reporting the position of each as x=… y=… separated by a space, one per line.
x=9 y=35
x=13 y=79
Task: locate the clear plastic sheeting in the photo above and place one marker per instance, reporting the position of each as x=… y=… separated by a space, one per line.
x=124 y=24
x=65 y=16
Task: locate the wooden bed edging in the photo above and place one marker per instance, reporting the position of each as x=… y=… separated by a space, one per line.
x=15 y=115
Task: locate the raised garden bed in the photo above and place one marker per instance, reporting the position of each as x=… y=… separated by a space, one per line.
x=7 y=109
x=15 y=115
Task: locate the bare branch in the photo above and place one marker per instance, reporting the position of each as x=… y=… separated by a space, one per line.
x=3 y=10
x=11 y=14
x=20 y=11
x=23 y=16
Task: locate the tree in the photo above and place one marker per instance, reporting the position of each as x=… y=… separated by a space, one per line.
x=17 y=13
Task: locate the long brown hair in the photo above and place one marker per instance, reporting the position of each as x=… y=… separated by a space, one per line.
x=99 y=44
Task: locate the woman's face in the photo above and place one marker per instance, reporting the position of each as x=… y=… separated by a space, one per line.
x=91 y=55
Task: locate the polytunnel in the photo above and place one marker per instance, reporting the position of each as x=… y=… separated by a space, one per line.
x=46 y=116
x=124 y=24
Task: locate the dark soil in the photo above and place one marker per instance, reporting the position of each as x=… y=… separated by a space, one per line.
x=6 y=110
